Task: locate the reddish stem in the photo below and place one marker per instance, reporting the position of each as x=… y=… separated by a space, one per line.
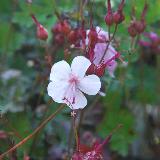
x=35 y=20
x=110 y=39
x=33 y=133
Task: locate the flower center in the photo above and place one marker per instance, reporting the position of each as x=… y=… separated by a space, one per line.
x=73 y=79
x=70 y=95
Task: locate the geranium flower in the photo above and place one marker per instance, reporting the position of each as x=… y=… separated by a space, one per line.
x=99 y=51
x=68 y=83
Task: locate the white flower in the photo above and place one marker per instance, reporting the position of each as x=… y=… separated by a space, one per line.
x=68 y=83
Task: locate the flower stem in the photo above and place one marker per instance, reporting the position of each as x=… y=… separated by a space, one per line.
x=33 y=133
x=108 y=43
x=75 y=132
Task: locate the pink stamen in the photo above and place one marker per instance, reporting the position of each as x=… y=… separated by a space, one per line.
x=70 y=95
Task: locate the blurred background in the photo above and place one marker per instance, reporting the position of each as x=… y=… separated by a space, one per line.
x=132 y=96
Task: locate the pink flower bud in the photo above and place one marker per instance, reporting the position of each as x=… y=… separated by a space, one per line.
x=93 y=37
x=59 y=39
x=109 y=15
x=132 y=30
x=56 y=28
x=118 y=17
x=100 y=70
x=66 y=28
x=109 y=19
x=91 y=69
x=42 y=32
x=140 y=26
x=72 y=37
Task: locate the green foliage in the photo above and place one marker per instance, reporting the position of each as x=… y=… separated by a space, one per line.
x=115 y=115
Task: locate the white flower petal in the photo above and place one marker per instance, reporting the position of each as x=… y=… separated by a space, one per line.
x=57 y=90
x=90 y=84
x=60 y=71
x=80 y=65
x=80 y=101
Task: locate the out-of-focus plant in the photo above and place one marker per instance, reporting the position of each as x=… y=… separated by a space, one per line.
x=116 y=36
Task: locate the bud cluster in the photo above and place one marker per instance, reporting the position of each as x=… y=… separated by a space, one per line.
x=91 y=153
x=137 y=27
x=117 y=17
x=63 y=32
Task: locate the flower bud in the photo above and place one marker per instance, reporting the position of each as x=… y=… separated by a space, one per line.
x=100 y=70
x=93 y=37
x=59 y=39
x=42 y=32
x=109 y=15
x=118 y=17
x=72 y=37
x=91 y=69
x=56 y=28
x=132 y=30
x=65 y=27
x=109 y=19
x=140 y=26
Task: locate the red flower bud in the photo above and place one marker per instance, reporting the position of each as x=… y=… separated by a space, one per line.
x=42 y=32
x=91 y=69
x=72 y=37
x=100 y=70
x=57 y=28
x=62 y=27
x=109 y=16
x=118 y=17
x=132 y=30
x=140 y=26
x=59 y=39
x=93 y=37
x=109 y=19
x=66 y=28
